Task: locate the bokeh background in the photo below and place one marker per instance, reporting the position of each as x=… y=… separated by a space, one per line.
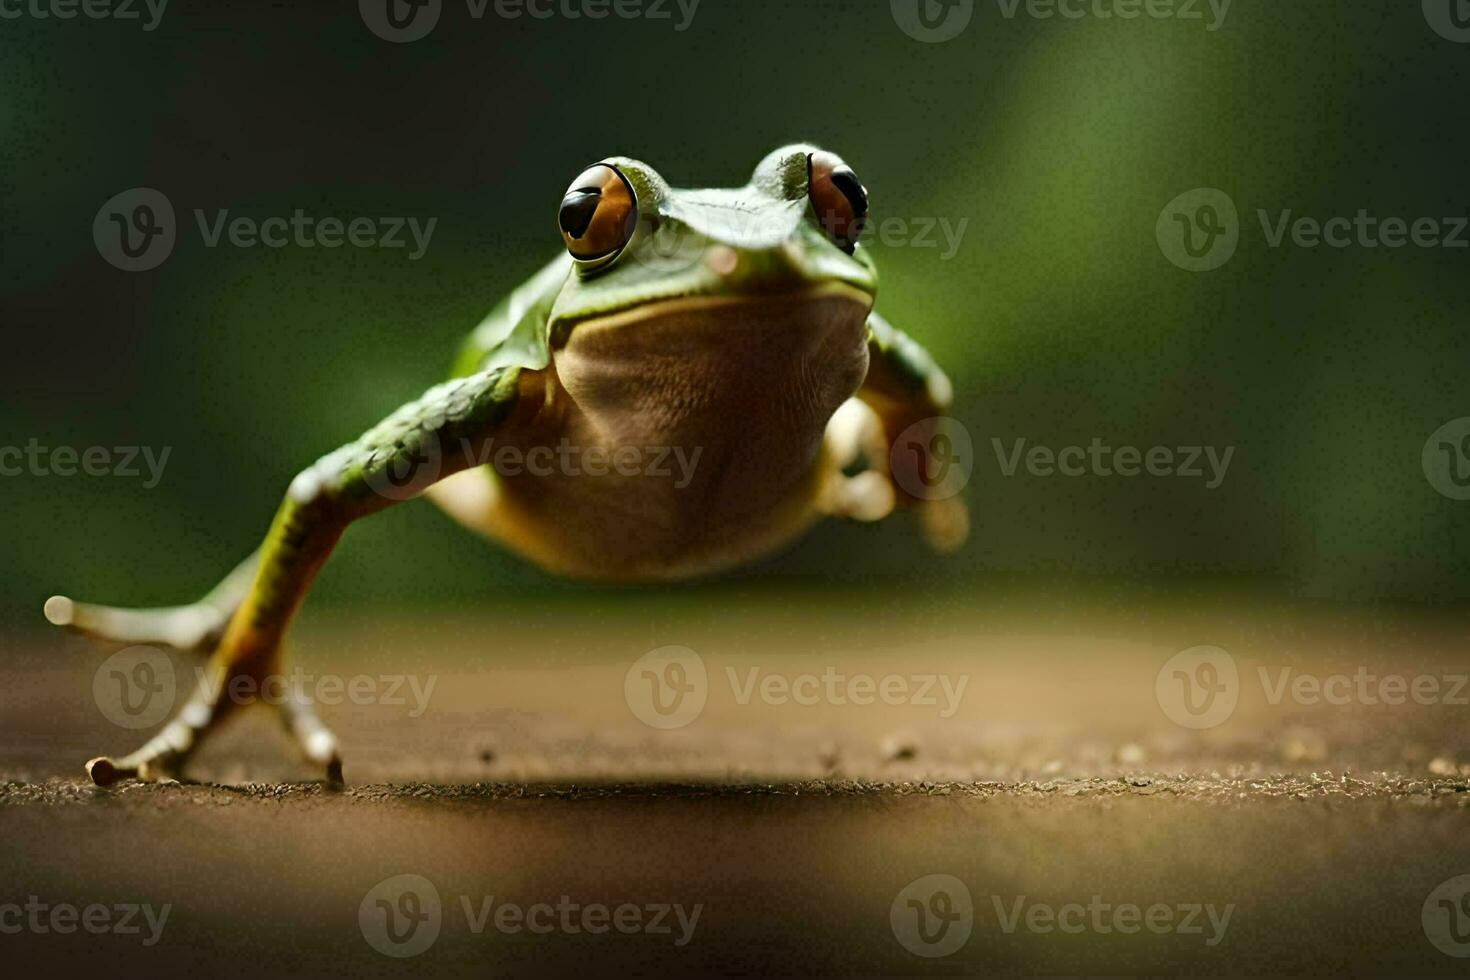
x=1058 y=142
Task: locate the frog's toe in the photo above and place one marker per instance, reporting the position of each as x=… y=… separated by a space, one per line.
x=868 y=496
x=150 y=764
x=946 y=524
x=317 y=742
x=105 y=771
x=162 y=757
x=196 y=626
x=192 y=627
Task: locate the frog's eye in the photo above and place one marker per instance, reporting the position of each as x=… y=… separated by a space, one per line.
x=598 y=214
x=839 y=198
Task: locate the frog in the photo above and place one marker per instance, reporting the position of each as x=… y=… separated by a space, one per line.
x=733 y=330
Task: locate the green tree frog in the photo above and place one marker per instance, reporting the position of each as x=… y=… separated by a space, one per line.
x=729 y=330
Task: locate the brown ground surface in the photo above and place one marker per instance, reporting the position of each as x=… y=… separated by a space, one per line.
x=794 y=827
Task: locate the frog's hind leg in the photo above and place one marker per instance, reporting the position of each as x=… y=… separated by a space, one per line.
x=195 y=627
x=252 y=602
x=424 y=441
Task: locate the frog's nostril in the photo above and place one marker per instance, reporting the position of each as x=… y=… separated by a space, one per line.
x=721 y=260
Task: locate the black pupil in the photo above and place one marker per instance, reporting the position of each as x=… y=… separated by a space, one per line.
x=577 y=209
x=846 y=181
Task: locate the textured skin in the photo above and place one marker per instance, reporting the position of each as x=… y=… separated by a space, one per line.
x=417 y=444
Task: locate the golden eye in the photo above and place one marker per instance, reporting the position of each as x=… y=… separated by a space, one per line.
x=598 y=214
x=839 y=198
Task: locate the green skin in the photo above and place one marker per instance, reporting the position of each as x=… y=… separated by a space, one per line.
x=711 y=269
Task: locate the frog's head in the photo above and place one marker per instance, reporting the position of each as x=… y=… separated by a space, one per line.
x=643 y=251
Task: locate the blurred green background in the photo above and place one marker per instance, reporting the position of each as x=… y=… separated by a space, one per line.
x=1060 y=319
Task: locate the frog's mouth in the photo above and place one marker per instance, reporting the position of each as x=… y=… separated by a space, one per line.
x=705 y=317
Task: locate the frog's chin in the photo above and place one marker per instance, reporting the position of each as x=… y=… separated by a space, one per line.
x=700 y=363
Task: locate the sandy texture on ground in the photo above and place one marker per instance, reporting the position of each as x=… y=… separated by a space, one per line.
x=1057 y=779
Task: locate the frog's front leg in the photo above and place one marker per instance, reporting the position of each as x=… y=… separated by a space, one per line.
x=442 y=433
x=904 y=387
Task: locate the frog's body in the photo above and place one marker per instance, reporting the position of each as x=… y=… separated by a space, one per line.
x=684 y=391
x=655 y=399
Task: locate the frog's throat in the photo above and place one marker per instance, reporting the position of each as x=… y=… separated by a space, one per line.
x=696 y=304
